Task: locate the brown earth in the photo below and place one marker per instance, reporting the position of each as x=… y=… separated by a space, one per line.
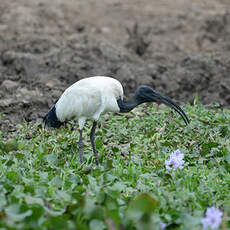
x=179 y=47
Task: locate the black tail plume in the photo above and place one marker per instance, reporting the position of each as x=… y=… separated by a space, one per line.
x=51 y=119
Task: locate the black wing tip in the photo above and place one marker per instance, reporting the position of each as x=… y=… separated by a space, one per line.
x=44 y=118
x=44 y=121
x=51 y=120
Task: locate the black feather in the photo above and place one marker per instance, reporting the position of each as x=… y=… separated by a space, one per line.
x=51 y=119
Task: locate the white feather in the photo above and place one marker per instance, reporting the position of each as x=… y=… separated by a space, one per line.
x=89 y=98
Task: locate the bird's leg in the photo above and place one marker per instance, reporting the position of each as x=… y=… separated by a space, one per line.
x=92 y=133
x=80 y=146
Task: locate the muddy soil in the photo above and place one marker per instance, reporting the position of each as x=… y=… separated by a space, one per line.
x=181 y=48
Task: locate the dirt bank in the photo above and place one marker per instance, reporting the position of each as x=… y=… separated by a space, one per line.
x=178 y=47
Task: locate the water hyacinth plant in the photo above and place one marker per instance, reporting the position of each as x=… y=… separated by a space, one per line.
x=212 y=218
x=43 y=186
x=175 y=160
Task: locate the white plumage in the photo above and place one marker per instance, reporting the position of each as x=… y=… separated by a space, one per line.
x=90 y=97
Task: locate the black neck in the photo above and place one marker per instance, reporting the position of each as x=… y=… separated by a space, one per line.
x=133 y=102
x=146 y=94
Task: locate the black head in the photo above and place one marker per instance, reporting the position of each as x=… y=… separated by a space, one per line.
x=147 y=94
x=51 y=119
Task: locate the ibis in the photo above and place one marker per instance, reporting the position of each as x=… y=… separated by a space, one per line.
x=93 y=96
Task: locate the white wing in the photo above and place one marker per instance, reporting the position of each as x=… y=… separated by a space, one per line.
x=89 y=97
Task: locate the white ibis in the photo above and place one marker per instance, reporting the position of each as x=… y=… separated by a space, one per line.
x=91 y=97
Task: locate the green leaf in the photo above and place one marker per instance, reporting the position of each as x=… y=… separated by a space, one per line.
x=56 y=181
x=33 y=200
x=99 y=142
x=2 y=201
x=97 y=225
x=54 y=212
x=206 y=147
x=64 y=196
x=142 y=203
x=52 y=158
x=227 y=158
x=14 y=213
x=12 y=175
x=37 y=213
x=109 y=164
x=58 y=222
x=11 y=145
x=89 y=206
x=196 y=100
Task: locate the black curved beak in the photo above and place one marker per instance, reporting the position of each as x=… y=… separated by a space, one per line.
x=159 y=98
x=147 y=94
x=153 y=96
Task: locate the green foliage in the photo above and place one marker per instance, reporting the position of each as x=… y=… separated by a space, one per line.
x=43 y=185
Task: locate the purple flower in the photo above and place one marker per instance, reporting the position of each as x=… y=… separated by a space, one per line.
x=67 y=164
x=212 y=218
x=175 y=160
x=162 y=225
